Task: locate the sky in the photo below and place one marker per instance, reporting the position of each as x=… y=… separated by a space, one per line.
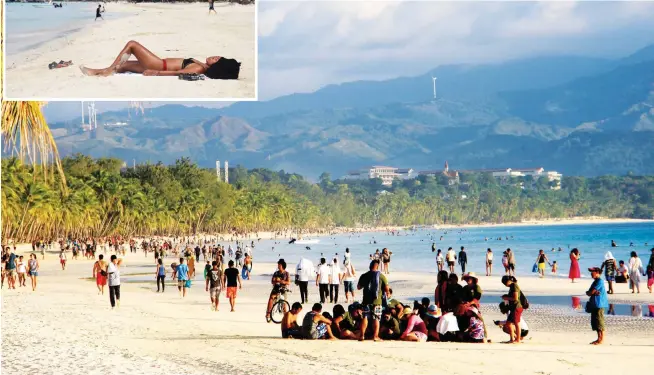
x=306 y=45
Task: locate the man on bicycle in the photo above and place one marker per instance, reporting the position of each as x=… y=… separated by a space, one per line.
x=280 y=280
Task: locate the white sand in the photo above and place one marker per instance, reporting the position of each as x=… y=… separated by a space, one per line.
x=65 y=327
x=168 y=30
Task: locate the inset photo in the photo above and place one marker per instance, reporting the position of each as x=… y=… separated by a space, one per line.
x=204 y=50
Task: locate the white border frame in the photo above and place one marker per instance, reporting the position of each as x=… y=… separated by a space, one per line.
x=256 y=76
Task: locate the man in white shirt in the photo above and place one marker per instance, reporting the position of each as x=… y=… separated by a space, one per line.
x=303 y=273
x=348 y=280
x=451 y=258
x=322 y=280
x=113 y=275
x=335 y=276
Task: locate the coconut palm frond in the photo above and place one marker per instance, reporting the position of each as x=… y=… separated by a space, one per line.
x=27 y=135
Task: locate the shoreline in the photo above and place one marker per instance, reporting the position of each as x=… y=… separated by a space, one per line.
x=154 y=25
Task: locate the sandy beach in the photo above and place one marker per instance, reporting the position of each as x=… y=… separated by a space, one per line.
x=168 y=30
x=66 y=327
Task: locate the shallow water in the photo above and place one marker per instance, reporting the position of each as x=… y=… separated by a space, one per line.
x=577 y=305
x=32 y=24
x=412 y=249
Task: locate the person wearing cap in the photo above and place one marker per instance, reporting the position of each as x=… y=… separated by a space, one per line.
x=433 y=314
x=515 y=308
x=598 y=302
x=415 y=330
x=471 y=292
x=375 y=286
x=280 y=280
x=113 y=274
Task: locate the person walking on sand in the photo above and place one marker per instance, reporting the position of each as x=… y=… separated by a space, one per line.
x=575 y=272
x=113 y=272
x=98 y=13
x=489 y=262
x=335 y=277
x=182 y=277
x=304 y=272
x=322 y=280
x=33 y=269
x=440 y=261
x=62 y=259
x=463 y=259
x=211 y=9
x=510 y=259
x=349 y=273
x=635 y=270
x=160 y=275
x=232 y=279
x=100 y=273
x=451 y=257
x=609 y=266
x=598 y=302
x=215 y=284
x=515 y=308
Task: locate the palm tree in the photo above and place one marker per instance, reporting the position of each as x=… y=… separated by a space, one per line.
x=27 y=135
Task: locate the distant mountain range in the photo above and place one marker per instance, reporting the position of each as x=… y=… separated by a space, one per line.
x=576 y=115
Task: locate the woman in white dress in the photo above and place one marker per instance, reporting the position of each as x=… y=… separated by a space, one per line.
x=635 y=270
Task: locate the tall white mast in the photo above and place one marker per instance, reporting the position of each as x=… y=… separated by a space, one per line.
x=218 y=170
x=226 y=171
x=434 y=80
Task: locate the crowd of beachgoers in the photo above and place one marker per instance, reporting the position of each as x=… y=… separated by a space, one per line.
x=454 y=314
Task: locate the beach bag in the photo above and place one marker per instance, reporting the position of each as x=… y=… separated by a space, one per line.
x=187 y=284
x=524 y=301
x=103 y=273
x=534 y=269
x=590 y=306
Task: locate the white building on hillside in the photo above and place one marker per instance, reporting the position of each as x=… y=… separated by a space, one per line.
x=386 y=174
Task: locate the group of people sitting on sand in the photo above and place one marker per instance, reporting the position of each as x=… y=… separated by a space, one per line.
x=454 y=315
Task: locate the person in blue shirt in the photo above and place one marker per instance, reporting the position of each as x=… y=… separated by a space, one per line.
x=182 y=276
x=599 y=301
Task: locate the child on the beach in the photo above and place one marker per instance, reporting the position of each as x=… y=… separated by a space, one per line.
x=650 y=277
x=555 y=267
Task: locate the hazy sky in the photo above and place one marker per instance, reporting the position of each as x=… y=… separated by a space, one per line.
x=305 y=45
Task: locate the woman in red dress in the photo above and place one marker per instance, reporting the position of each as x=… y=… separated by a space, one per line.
x=575 y=272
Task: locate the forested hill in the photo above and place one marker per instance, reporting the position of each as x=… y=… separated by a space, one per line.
x=575 y=115
x=102 y=198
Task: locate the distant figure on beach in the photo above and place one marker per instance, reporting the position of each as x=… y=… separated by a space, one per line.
x=511 y=262
x=598 y=302
x=160 y=275
x=514 y=300
x=489 y=262
x=451 y=258
x=609 y=266
x=540 y=260
x=575 y=272
x=232 y=279
x=386 y=260
x=304 y=272
x=100 y=273
x=62 y=259
x=149 y=64
x=349 y=274
x=211 y=7
x=463 y=259
x=613 y=244
x=635 y=270
x=98 y=13
x=555 y=268
x=322 y=280
x=182 y=277
x=113 y=273
x=440 y=261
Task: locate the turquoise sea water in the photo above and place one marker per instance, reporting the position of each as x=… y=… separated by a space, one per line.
x=412 y=249
x=31 y=24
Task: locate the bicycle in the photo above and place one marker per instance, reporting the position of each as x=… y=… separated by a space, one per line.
x=279 y=307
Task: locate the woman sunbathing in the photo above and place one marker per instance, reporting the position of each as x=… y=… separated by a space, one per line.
x=148 y=64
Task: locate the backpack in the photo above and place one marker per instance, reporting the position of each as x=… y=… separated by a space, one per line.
x=524 y=301
x=371 y=289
